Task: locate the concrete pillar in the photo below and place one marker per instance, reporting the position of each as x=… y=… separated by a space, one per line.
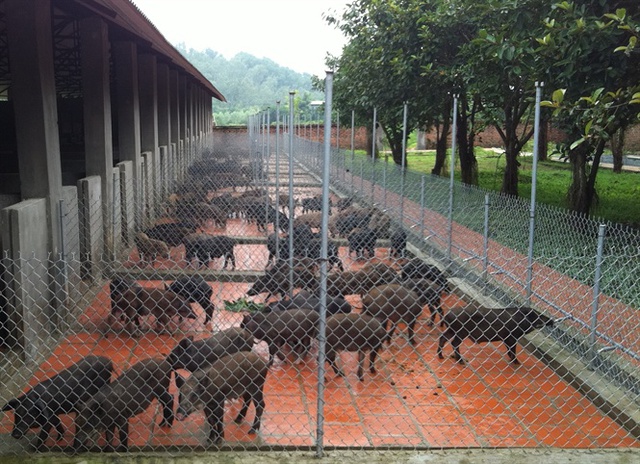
x=148 y=89
x=91 y=226
x=125 y=56
x=96 y=91
x=164 y=128
x=33 y=92
x=148 y=77
x=182 y=162
x=174 y=112
x=127 y=202
x=31 y=317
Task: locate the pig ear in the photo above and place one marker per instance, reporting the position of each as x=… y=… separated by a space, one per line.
x=13 y=404
x=179 y=380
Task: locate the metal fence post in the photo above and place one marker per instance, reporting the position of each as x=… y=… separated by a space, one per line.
x=404 y=159
x=384 y=185
x=422 y=205
x=291 y=212
x=373 y=155
x=596 y=295
x=277 y=225
x=353 y=144
x=362 y=177
x=485 y=246
x=452 y=164
x=323 y=264
x=534 y=178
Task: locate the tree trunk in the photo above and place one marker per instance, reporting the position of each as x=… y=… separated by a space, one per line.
x=577 y=193
x=543 y=148
x=510 y=178
x=468 y=162
x=617 y=149
x=442 y=139
x=394 y=137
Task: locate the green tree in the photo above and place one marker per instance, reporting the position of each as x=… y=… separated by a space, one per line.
x=381 y=65
x=597 y=83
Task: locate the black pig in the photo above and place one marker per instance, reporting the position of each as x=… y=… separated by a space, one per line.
x=489 y=325
x=194 y=289
x=294 y=327
x=361 y=240
x=305 y=299
x=198 y=355
x=60 y=394
x=237 y=375
x=127 y=396
x=393 y=303
x=354 y=332
x=205 y=247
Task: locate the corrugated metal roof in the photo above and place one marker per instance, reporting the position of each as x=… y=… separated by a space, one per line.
x=125 y=15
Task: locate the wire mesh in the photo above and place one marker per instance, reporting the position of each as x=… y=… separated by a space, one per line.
x=201 y=332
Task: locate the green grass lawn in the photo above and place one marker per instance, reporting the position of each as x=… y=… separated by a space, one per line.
x=619 y=194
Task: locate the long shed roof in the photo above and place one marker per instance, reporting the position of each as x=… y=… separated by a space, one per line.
x=132 y=24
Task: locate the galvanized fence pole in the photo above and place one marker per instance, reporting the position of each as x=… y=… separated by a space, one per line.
x=384 y=185
x=485 y=245
x=373 y=155
x=62 y=278
x=277 y=157
x=291 y=213
x=339 y=158
x=264 y=163
x=353 y=145
x=362 y=177
x=452 y=164
x=423 y=181
x=534 y=178
x=404 y=159
x=323 y=264
x=602 y=229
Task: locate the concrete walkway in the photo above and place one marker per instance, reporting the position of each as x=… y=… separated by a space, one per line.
x=501 y=456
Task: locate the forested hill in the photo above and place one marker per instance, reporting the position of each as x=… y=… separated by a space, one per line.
x=248 y=83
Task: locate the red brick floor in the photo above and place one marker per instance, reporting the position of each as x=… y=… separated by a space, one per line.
x=414 y=400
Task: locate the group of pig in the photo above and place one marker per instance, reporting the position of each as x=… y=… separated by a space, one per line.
x=388 y=298
x=225 y=366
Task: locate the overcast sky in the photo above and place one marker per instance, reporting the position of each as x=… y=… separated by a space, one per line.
x=292 y=33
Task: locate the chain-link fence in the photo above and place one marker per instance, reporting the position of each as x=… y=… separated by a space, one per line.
x=196 y=315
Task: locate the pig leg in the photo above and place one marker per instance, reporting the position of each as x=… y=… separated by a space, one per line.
x=411 y=330
x=511 y=344
x=45 y=431
x=108 y=434
x=391 y=331
x=273 y=349
x=372 y=357
x=214 y=418
x=360 y=365
x=246 y=399
x=208 y=309
x=444 y=338
x=124 y=436
x=455 y=343
x=331 y=359
x=166 y=400
x=258 y=401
